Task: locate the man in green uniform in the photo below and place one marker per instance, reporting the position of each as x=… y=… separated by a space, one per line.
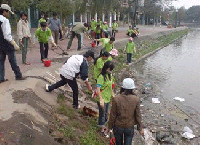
x=114 y=28
x=76 y=31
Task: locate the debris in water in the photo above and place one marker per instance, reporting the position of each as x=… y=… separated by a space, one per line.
x=179 y=99
x=155 y=100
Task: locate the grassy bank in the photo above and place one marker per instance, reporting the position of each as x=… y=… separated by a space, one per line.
x=72 y=126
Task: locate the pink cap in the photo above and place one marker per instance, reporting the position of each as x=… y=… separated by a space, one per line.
x=130 y=39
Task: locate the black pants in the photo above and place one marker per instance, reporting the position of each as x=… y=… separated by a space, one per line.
x=60 y=32
x=129 y=56
x=44 y=47
x=13 y=63
x=98 y=35
x=113 y=33
x=72 y=83
x=133 y=35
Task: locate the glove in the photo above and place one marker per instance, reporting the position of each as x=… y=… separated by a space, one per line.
x=53 y=43
x=14 y=44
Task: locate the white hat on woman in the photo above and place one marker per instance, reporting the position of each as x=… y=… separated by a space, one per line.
x=128 y=83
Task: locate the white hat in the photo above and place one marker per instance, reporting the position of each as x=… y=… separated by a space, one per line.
x=128 y=83
x=6 y=7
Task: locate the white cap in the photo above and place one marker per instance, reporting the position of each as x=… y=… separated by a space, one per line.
x=6 y=7
x=128 y=83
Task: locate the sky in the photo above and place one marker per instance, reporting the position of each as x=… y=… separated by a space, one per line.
x=186 y=3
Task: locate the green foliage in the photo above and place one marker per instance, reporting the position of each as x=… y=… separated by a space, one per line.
x=66 y=110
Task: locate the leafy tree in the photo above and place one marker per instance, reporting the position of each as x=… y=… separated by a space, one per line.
x=193 y=14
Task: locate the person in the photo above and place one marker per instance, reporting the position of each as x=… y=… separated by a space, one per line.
x=138 y=32
x=7 y=45
x=99 y=63
x=98 y=31
x=76 y=31
x=105 y=29
x=55 y=26
x=108 y=46
x=129 y=31
x=104 y=93
x=125 y=113
x=24 y=35
x=130 y=47
x=41 y=20
x=75 y=65
x=93 y=27
x=114 y=28
x=44 y=35
x=99 y=22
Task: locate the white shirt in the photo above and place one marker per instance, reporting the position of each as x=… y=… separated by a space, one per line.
x=72 y=67
x=23 y=29
x=6 y=28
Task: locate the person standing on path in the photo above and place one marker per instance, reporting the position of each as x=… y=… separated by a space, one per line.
x=130 y=48
x=114 y=28
x=24 y=35
x=108 y=46
x=55 y=26
x=44 y=35
x=7 y=45
x=104 y=92
x=98 y=32
x=93 y=27
x=76 y=31
x=76 y=65
x=125 y=113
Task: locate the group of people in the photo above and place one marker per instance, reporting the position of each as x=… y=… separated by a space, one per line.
x=133 y=32
x=125 y=110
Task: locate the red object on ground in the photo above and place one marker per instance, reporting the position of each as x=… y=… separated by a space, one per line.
x=93 y=44
x=113 y=141
x=113 y=86
x=47 y=63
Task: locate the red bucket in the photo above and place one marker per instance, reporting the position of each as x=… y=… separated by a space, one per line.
x=47 y=63
x=93 y=44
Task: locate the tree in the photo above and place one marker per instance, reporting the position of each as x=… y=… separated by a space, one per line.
x=181 y=14
x=193 y=14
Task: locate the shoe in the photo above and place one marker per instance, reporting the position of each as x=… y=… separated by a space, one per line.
x=76 y=107
x=22 y=78
x=68 y=48
x=47 y=88
x=27 y=63
x=5 y=80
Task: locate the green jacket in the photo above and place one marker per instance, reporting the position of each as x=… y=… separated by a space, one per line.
x=43 y=36
x=130 y=47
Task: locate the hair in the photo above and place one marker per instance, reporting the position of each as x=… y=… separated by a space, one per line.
x=105 y=54
x=54 y=14
x=1 y=11
x=127 y=91
x=112 y=38
x=23 y=13
x=89 y=53
x=107 y=64
x=85 y=24
x=43 y=24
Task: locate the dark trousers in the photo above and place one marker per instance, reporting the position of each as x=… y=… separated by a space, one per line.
x=72 y=83
x=129 y=56
x=98 y=35
x=71 y=39
x=133 y=35
x=24 y=48
x=103 y=114
x=60 y=32
x=44 y=47
x=123 y=135
x=13 y=63
x=113 y=33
